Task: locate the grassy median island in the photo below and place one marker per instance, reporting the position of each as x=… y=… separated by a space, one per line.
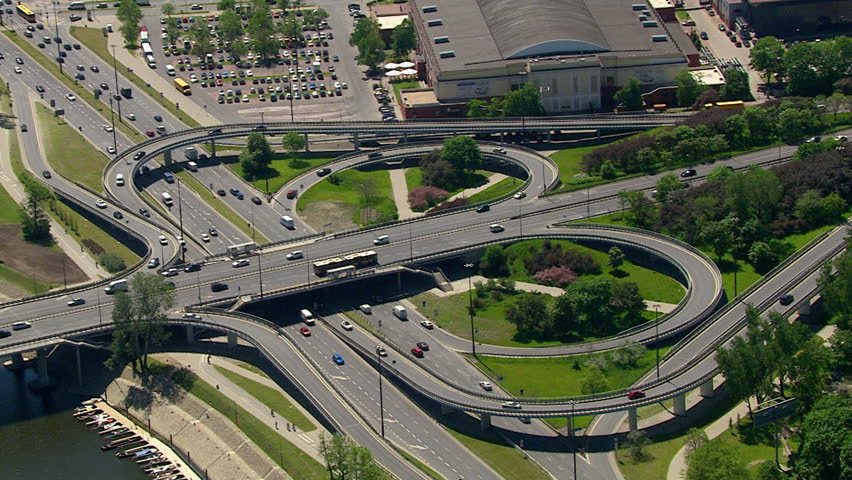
x=71 y=155
x=280 y=171
x=349 y=198
x=271 y=398
x=492 y=449
x=297 y=463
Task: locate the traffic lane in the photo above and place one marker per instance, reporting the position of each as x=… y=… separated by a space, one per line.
x=405 y=423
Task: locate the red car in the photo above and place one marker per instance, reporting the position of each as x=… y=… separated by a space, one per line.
x=635 y=394
x=291 y=194
x=305 y=331
x=150 y=133
x=417 y=352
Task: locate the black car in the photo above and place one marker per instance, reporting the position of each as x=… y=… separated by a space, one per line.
x=256 y=200
x=323 y=172
x=688 y=173
x=138 y=155
x=192 y=267
x=46 y=174
x=76 y=46
x=23 y=127
x=423 y=346
x=19 y=60
x=221 y=192
x=158 y=118
x=5 y=333
x=213 y=232
x=105 y=86
x=67 y=46
x=39 y=89
x=785 y=299
x=259 y=128
x=218 y=286
x=118 y=215
x=483 y=208
x=144 y=212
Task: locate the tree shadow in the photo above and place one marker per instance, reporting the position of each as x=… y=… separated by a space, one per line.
x=139 y=398
x=168 y=381
x=619 y=273
x=7 y=121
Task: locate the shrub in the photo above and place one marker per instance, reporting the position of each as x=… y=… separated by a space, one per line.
x=557 y=276
x=556 y=256
x=112 y=262
x=422 y=198
x=459 y=202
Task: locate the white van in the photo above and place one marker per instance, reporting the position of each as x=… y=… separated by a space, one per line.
x=307 y=316
x=192 y=166
x=170 y=69
x=400 y=312
x=288 y=222
x=119 y=179
x=116 y=286
x=167 y=199
x=381 y=240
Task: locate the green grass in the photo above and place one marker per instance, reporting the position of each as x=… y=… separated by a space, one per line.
x=397 y=86
x=296 y=462
x=507 y=461
x=570 y=164
x=22 y=281
x=251 y=368
x=498 y=190
x=682 y=14
x=220 y=207
x=85 y=229
x=351 y=191
x=271 y=398
x=79 y=90
x=413 y=178
x=68 y=152
x=279 y=172
x=8 y=209
x=95 y=41
x=535 y=375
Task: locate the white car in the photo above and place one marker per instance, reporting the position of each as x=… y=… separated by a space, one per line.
x=249 y=73
x=295 y=255
x=110 y=149
x=70 y=97
x=101 y=204
x=171 y=272
x=513 y=405
x=193 y=316
x=18 y=70
x=427 y=324
x=346 y=325
x=486 y=385
x=381 y=351
x=205 y=238
x=108 y=128
x=344 y=85
x=519 y=195
x=244 y=262
x=131 y=116
x=163 y=240
x=193 y=78
x=366 y=309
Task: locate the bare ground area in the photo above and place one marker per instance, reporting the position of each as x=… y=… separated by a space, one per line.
x=319 y=214
x=31 y=260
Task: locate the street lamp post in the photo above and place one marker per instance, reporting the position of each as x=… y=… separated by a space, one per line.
x=657 y=341
x=182 y=246
x=470 y=309
x=381 y=396
x=112 y=121
x=523 y=74
x=56 y=24
x=100 y=317
x=115 y=71
x=574 y=437
x=198 y=282
x=410 y=244
x=260 y=275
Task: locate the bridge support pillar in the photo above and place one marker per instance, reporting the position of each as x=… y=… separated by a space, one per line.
x=212 y=149
x=633 y=419
x=17 y=359
x=43 y=383
x=190 y=334
x=548 y=136
x=598 y=134
x=355 y=142
x=79 y=366
x=484 y=422
x=680 y=405
x=446 y=409
x=167 y=157
x=232 y=340
x=805 y=309
x=404 y=137
x=307 y=144
x=707 y=389
x=502 y=137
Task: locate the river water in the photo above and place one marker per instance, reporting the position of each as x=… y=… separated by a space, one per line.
x=39 y=439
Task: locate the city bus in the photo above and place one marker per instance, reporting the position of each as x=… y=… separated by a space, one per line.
x=338 y=264
x=182 y=86
x=77 y=6
x=733 y=105
x=26 y=13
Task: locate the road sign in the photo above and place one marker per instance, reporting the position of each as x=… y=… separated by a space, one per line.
x=774 y=412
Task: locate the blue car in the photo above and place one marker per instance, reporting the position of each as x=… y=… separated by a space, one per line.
x=337 y=359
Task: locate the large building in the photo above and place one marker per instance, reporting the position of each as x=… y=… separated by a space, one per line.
x=793 y=19
x=578 y=52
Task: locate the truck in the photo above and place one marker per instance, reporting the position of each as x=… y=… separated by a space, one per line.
x=127 y=93
x=241 y=249
x=116 y=286
x=151 y=62
x=167 y=199
x=190 y=153
x=307 y=316
x=400 y=312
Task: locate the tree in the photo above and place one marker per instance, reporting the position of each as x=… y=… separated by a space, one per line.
x=808 y=368
x=130 y=15
x=594 y=381
x=230 y=27
x=761 y=126
x=256 y=156
x=627 y=304
x=836 y=288
x=227 y=5
x=837 y=102
x=746 y=364
x=525 y=101
x=737 y=132
x=591 y=302
x=616 y=258
x=284 y=5
x=629 y=354
x=168 y=9
x=841 y=350
x=530 y=315
x=238 y=49
x=34 y=219
x=641 y=210
x=795 y=123
x=813 y=68
x=736 y=86
x=688 y=88
x=695 y=439
x=261 y=30
x=666 y=185
x=173 y=31
x=294 y=142
x=826 y=433
x=346 y=460
x=816 y=210
x=493 y=262
x=368 y=40
x=636 y=442
x=761 y=256
x=200 y=35
x=715 y=460
x=138 y=315
x=754 y=193
x=462 y=152
x=719 y=236
x=403 y=39
x=770 y=471
x=630 y=96
x=767 y=56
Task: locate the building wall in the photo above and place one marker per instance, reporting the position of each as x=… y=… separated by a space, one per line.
x=801 y=17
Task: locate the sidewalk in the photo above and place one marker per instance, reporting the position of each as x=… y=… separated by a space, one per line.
x=400 y=194
x=10 y=182
x=492 y=180
x=140 y=68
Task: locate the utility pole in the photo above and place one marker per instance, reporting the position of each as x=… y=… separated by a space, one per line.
x=657 y=341
x=469 y=266
x=115 y=71
x=381 y=396
x=181 y=245
x=56 y=24
x=260 y=275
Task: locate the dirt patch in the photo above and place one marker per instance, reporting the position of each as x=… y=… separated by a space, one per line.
x=339 y=215
x=43 y=263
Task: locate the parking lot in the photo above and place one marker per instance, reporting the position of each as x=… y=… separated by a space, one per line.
x=313 y=76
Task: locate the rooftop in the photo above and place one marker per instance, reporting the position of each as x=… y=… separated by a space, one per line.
x=389 y=22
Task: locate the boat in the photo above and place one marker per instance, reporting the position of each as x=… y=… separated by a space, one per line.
x=120 y=442
x=88 y=409
x=111 y=432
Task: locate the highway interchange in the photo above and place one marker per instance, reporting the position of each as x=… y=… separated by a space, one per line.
x=354 y=405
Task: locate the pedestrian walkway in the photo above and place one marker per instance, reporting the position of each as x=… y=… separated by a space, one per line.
x=400 y=194
x=469 y=192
